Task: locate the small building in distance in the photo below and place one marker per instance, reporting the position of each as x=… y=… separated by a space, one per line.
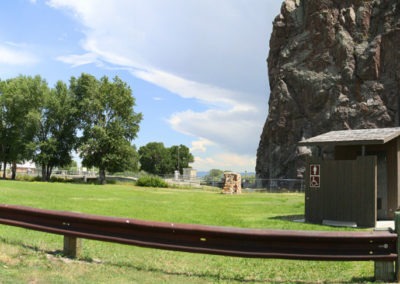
x=359 y=183
x=26 y=167
x=189 y=174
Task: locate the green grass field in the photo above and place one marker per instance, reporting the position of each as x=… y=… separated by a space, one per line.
x=33 y=257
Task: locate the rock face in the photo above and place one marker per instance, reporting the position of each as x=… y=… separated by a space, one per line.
x=333 y=65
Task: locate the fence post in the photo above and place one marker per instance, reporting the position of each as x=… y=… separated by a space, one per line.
x=72 y=247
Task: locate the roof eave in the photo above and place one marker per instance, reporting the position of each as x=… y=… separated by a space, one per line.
x=343 y=143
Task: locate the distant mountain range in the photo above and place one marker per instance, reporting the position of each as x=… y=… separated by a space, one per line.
x=203 y=174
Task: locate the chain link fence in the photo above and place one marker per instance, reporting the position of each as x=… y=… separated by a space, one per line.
x=248 y=184
x=273 y=185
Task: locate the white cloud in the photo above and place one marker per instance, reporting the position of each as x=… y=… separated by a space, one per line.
x=200 y=145
x=78 y=60
x=13 y=54
x=233 y=130
x=207 y=156
x=225 y=161
x=210 y=51
x=189 y=89
x=216 y=43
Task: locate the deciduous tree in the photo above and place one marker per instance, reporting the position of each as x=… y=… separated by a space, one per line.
x=214 y=175
x=156 y=159
x=180 y=157
x=109 y=122
x=56 y=131
x=19 y=101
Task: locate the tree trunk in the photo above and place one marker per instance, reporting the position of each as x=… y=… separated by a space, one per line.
x=48 y=172
x=44 y=175
x=13 y=170
x=4 y=170
x=102 y=176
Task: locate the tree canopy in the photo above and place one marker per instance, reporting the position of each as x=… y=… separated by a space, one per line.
x=156 y=159
x=20 y=99
x=57 y=125
x=214 y=175
x=41 y=124
x=108 y=122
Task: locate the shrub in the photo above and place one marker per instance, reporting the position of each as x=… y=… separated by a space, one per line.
x=151 y=181
x=56 y=179
x=111 y=181
x=28 y=178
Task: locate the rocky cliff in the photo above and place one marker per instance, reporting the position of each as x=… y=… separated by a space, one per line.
x=332 y=64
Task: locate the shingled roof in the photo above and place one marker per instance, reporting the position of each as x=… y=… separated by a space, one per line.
x=354 y=137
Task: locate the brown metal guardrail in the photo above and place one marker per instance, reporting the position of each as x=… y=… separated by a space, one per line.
x=258 y=243
x=380 y=247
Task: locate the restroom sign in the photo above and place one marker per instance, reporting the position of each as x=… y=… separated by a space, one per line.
x=315 y=176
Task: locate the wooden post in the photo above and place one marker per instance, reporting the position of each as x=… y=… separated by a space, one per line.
x=397 y=231
x=72 y=247
x=384 y=271
x=387 y=271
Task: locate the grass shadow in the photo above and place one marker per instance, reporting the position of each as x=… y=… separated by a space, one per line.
x=290 y=218
x=362 y=280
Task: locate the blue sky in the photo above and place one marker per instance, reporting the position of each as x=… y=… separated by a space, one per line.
x=197 y=68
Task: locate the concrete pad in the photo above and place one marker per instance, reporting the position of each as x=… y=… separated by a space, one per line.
x=339 y=223
x=384 y=225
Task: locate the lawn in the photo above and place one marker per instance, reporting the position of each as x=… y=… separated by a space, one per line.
x=33 y=257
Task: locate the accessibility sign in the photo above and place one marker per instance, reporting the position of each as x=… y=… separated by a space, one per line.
x=315 y=175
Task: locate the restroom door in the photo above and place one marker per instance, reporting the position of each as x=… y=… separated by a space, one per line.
x=382 y=191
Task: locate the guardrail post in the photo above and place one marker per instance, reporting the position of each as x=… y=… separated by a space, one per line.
x=397 y=231
x=72 y=247
x=386 y=271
